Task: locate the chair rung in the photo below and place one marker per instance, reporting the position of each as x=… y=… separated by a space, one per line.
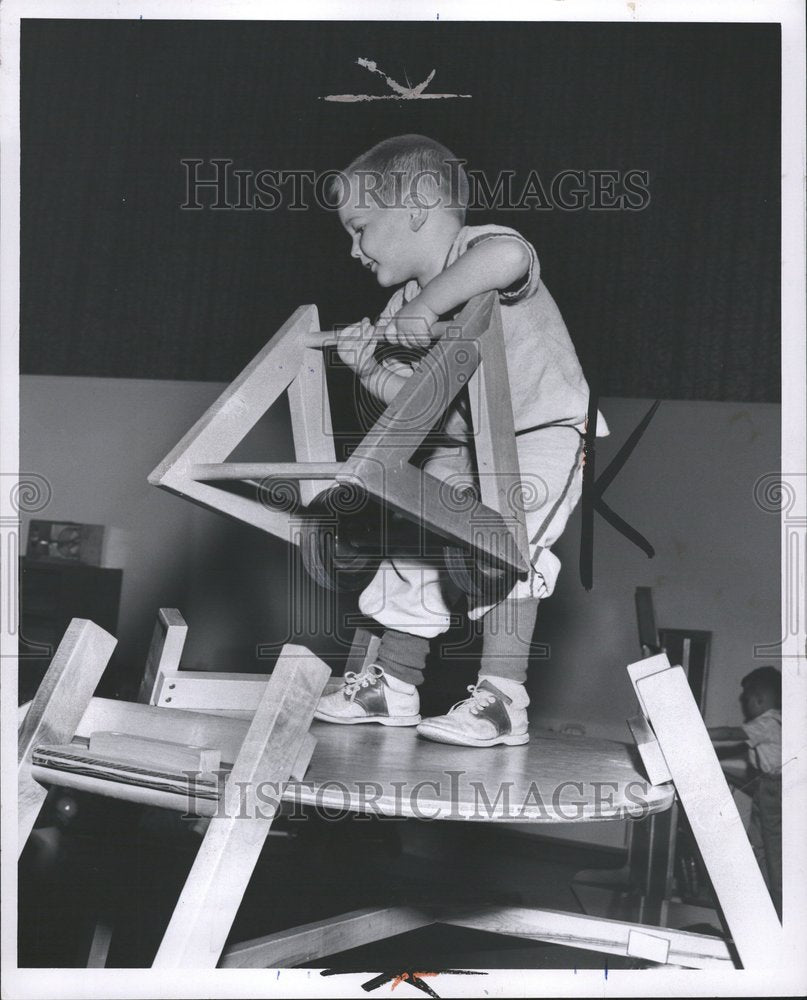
x=212 y=471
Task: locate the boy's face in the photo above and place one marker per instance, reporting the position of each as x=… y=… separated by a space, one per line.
x=384 y=239
x=752 y=705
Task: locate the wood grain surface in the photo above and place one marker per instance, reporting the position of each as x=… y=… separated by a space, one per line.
x=224 y=425
x=557 y=779
x=57 y=707
x=289 y=948
x=713 y=816
x=394 y=772
x=165 y=651
x=617 y=937
x=232 y=843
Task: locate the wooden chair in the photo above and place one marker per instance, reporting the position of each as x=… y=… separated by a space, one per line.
x=382 y=771
x=657 y=868
x=468 y=356
x=260 y=755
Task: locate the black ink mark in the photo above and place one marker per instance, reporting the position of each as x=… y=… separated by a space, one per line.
x=414 y=978
x=594 y=489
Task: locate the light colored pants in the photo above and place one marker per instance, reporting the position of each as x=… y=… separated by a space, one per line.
x=411 y=596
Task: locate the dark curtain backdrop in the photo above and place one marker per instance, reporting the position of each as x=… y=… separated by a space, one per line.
x=680 y=300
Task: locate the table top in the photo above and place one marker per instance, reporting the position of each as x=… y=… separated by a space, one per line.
x=552 y=779
x=369 y=768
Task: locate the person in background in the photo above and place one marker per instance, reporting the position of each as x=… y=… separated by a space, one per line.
x=760 y=736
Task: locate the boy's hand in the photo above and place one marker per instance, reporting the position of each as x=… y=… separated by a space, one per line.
x=411 y=326
x=356 y=345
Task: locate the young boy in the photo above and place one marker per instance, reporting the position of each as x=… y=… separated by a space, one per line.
x=761 y=736
x=403 y=206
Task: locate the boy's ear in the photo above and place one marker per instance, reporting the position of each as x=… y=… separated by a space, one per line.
x=418 y=213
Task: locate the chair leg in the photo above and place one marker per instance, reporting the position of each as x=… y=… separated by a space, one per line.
x=220 y=874
x=101 y=940
x=712 y=813
x=165 y=651
x=363 y=649
x=57 y=708
x=638 y=890
x=617 y=937
x=309 y=942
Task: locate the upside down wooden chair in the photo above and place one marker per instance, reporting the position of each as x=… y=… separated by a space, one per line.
x=321 y=504
x=55 y=747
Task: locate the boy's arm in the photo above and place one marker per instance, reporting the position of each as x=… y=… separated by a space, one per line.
x=383 y=383
x=731 y=734
x=491 y=264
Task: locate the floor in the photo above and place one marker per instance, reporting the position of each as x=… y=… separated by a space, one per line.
x=89 y=855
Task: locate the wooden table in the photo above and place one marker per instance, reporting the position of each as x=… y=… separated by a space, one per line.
x=278 y=752
x=394 y=772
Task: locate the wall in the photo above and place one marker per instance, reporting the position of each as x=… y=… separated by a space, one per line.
x=693 y=107
x=96 y=441
x=688 y=488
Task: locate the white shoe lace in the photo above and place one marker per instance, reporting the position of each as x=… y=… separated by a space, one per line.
x=480 y=698
x=366 y=677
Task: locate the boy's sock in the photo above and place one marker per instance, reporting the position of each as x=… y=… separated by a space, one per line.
x=402 y=657
x=496 y=712
x=514 y=690
x=507 y=633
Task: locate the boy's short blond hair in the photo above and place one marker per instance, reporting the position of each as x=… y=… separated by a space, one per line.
x=410 y=166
